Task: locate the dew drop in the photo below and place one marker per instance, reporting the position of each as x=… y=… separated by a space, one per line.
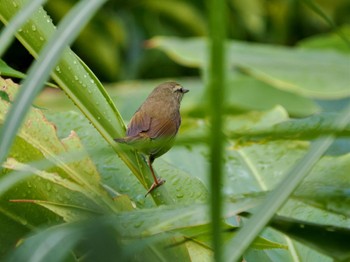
x=33 y=28
x=179 y=195
x=176 y=180
x=123 y=188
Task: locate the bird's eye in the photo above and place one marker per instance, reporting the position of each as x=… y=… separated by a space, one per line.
x=177 y=89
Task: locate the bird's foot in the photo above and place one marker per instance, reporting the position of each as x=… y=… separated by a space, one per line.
x=155 y=184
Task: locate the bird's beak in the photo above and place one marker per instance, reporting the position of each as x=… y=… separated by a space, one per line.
x=185 y=90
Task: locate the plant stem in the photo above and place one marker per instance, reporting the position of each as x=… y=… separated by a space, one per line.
x=216 y=94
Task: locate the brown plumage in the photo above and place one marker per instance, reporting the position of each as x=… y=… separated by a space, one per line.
x=153 y=127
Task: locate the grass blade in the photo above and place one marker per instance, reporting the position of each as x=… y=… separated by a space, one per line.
x=7 y=34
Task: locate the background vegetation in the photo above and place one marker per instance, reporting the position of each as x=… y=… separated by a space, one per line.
x=68 y=192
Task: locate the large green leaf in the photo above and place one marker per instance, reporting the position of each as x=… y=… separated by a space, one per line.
x=317 y=74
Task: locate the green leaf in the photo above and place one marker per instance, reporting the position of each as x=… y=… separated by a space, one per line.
x=7 y=34
x=327 y=187
x=148 y=222
x=246 y=128
x=5 y=70
x=247 y=93
x=310 y=73
x=202 y=237
x=327 y=239
x=328 y=41
x=69 y=212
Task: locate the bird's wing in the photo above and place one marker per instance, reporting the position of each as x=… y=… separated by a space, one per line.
x=161 y=134
x=139 y=123
x=162 y=128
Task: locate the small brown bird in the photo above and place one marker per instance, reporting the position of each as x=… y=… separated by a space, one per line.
x=153 y=127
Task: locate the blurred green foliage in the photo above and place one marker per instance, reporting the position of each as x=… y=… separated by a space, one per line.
x=114 y=44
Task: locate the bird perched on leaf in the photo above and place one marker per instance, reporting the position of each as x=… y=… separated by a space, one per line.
x=153 y=127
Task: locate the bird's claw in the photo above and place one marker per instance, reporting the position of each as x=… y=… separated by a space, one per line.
x=155 y=185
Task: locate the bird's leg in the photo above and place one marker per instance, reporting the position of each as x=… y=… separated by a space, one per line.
x=157 y=182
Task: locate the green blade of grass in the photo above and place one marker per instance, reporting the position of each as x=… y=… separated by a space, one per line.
x=216 y=84
x=40 y=71
x=7 y=34
x=245 y=236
